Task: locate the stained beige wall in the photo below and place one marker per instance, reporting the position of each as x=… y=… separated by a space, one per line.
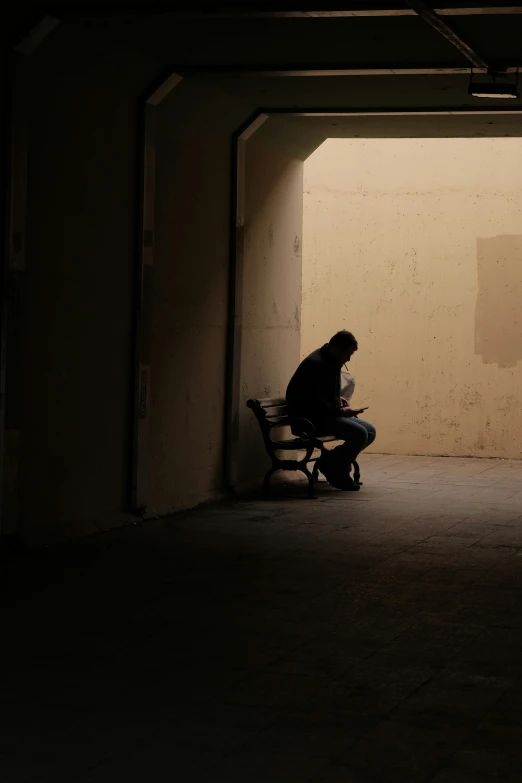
x=190 y=295
x=416 y=246
x=271 y=286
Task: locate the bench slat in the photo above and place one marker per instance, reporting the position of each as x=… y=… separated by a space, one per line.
x=278 y=421
x=274 y=402
x=280 y=410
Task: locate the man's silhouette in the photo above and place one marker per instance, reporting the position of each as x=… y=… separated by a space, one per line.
x=314 y=393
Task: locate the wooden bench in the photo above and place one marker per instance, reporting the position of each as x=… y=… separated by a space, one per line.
x=272 y=414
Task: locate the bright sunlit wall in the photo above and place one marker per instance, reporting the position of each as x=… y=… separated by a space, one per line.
x=416 y=246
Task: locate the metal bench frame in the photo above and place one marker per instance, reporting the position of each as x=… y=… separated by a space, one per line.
x=272 y=414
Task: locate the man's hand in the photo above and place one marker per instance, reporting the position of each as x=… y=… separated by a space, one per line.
x=344 y=403
x=351 y=412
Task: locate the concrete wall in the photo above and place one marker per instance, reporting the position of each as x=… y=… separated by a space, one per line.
x=83 y=198
x=188 y=368
x=81 y=246
x=4 y=168
x=271 y=285
x=416 y=245
x=188 y=371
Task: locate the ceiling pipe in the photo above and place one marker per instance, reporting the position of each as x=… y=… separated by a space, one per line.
x=362 y=12
x=433 y=19
x=196 y=10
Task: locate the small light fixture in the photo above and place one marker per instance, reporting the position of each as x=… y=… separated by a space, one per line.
x=493 y=89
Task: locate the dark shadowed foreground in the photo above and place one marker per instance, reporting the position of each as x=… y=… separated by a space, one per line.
x=371 y=636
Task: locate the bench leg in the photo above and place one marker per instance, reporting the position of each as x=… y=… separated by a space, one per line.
x=311 y=483
x=266 y=482
x=356 y=473
x=315 y=472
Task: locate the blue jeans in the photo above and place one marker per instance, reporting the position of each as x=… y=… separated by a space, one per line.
x=356 y=434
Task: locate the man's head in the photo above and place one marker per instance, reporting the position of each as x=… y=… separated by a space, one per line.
x=342 y=346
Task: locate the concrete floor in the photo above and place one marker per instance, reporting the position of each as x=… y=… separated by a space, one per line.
x=371 y=636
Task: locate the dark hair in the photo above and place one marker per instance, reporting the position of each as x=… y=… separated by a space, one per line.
x=343 y=341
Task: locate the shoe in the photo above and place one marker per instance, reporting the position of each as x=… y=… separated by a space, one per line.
x=349 y=485
x=356 y=480
x=345 y=483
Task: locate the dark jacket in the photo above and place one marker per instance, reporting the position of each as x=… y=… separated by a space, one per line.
x=314 y=390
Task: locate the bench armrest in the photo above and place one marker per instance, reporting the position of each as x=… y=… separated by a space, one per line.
x=302 y=428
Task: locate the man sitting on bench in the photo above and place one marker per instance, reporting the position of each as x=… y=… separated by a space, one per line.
x=314 y=394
